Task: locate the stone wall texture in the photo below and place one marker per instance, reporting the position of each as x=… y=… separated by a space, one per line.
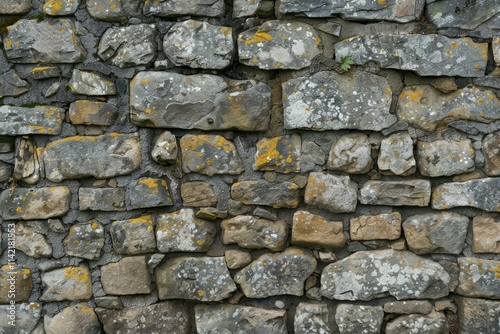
x=250 y=166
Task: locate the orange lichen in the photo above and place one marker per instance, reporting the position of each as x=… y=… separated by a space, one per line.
x=260 y=36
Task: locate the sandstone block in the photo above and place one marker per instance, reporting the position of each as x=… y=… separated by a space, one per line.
x=313 y=231
x=236 y=259
x=383 y=226
x=129 y=276
x=198 y=193
x=486 y=232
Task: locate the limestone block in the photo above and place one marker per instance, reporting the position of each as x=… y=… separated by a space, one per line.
x=133 y=236
x=461 y=14
x=69 y=283
x=169 y=8
x=396 y=155
x=311 y=319
x=491 y=153
x=396 y=193
x=85 y=240
x=351 y=154
x=60 y=7
x=478 y=278
x=444 y=158
x=486 y=233
x=148 y=192
x=432 y=323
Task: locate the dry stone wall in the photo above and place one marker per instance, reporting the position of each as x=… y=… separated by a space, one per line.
x=188 y=166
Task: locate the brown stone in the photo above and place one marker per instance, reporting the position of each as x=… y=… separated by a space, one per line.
x=129 y=276
x=236 y=259
x=92 y=113
x=314 y=231
x=23 y=283
x=73 y=319
x=198 y=193
x=383 y=226
x=486 y=232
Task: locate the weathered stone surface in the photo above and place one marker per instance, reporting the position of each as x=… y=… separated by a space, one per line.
x=90 y=83
x=277 y=195
x=486 y=232
x=385 y=226
x=70 y=283
x=311 y=319
x=211 y=214
x=244 y=8
x=166 y=317
x=223 y=318
x=30 y=242
x=425 y=54
x=368 y=275
x=111 y=10
x=188 y=278
x=15 y=6
x=165 y=149
x=434 y=323
x=476 y=315
x=182 y=231
x=12 y=85
x=396 y=193
x=148 y=192
x=198 y=193
x=54 y=41
x=15 y=121
x=423 y=107
x=312 y=155
x=478 y=278
x=202 y=101
x=45 y=72
x=129 y=276
x=133 y=236
x=491 y=153
x=22 y=284
x=85 y=112
x=26 y=315
x=79 y=318
x=128 y=46
x=199 y=44
x=34 y=203
x=460 y=14
x=168 y=8
x=101 y=199
x=355 y=319
x=480 y=193
x=409 y=307
x=279 y=45
x=254 y=232
x=85 y=240
x=236 y=259
x=277 y=274
x=112 y=155
x=5 y=171
x=313 y=231
x=27 y=161
x=331 y=192
x=436 y=232
x=60 y=7
x=280 y=154
x=351 y=154
x=396 y=154
x=457 y=159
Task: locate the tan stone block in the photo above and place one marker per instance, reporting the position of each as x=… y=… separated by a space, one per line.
x=198 y=193
x=486 y=232
x=129 y=276
x=314 y=231
x=383 y=226
x=23 y=283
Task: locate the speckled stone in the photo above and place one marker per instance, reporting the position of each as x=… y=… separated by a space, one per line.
x=69 y=283
x=396 y=193
x=314 y=231
x=129 y=276
x=396 y=155
x=30 y=242
x=133 y=236
x=12 y=85
x=90 y=83
x=354 y=319
x=331 y=192
x=60 y=7
x=110 y=10
x=23 y=283
x=477 y=315
x=261 y=192
x=351 y=154
x=165 y=149
x=280 y=154
x=198 y=193
x=486 y=233
x=170 y=8
x=15 y=121
x=461 y=14
x=101 y=199
x=491 y=153
x=444 y=158
x=478 y=278
x=85 y=240
x=311 y=319
x=15 y=6
x=79 y=318
x=26 y=315
x=433 y=323
x=385 y=226
x=85 y=112
x=148 y=192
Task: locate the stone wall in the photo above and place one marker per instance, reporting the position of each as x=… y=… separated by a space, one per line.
x=188 y=166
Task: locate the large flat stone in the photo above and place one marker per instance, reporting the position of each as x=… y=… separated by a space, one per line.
x=261 y=192
x=169 y=8
x=148 y=192
x=331 y=192
x=314 y=231
x=478 y=278
x=459 y=157
x=396 y=193
x=461 y=13
x=201 y=101
x=15 y=121
x=477 y=315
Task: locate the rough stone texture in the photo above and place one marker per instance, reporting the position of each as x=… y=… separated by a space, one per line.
x=331 y=192
x=351 y=154
x=15 y=121
x=79 y=318
x=60 y=7
x=12 y=85
x=436 y=232
x=279 y=45
x=166 y=317
x=45 y=72
x=112 y=155
x=182 y=231
x=280 y=154
x=476 y=315
x=236 y=259
x=85 y=240
x=85 y=112
x=254 y=232
x=15 y=6
x=423 y=107
x=460 y=14
x=225 y=318
x=34 y=203
x=396 y=193
x=5 y=171
x=244 y=8
x=169 y=8
x=90 y=83
x=133 y=236
x=101 y=199
x=425 y=54
x=491 y=153
x=458 y=159
x=495 y=44
x=129 y=276
x=277 y=274
x=201 y=101
x=478 y=278
x=311 y=319
x=409 y=307
x=70 y=283
x=165 y=149
x=330 y=101
x=375 y=274
x=188 y=278
x=486 y=233
x=30 y=242
x=51 y=41
x=198 y=193
x=313 y=231
x=112 y=10
x=384 y=226
x=396 y=154
x=23 y=283
x=434 y=323
x=26 y=315
x=312 y=155
x=277 y=195
x=148 y=193
x=355 y=319
x=27 y=161
x=480 y=193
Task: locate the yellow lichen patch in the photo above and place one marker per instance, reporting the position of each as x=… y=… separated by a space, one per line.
x=77 y=273
x=19 y=209
x=480 y=101
x=201 y=293
x=8 y=43
x=151 y=184
x=382 y=2
x=260 y=36
x=86 y=309
x=147 y=111
x=317 y=40
x=94 y=225
x=412 y=94
x=448 y=52
x=226 y=31
x=454 y=44
x=267 y=151
x=478 y=66
x=144 y=81
x=200 y=242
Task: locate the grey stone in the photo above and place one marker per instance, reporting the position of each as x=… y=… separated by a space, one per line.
x=211 y=214
x=223 y=318
x=165 y=149
x=85 y=240
x=396 y=154
x=109 y=302
x=84 y=112
x=386 y=226
x=277 y=274
x=491 y=153
x=5 y=171
x=355 y=319
x=428 y=54
x=6 y=144
x=198 y=193
x=330 y=101
x=331 y=192
x=460 y=14
x=101 y=199
x=128 y=46
x=261 y=192
x=52 y=89
x=478 y=278
x=129 y=276
x=236 y=259
x=488 y=81
x=112 y=155
x=409 y=307
x=79 y=318
x=30 y=242
x=15 y=6
x=89 y=83
x=15 y=121
x=445 y=305
x=69 y=283
x=27 y=161
x=169 y=8
x=313 y=231
x=60 y=7
x=263 y=213
x=405 y=276
x=311 y=319
x=112 y=10
x=351 y=154
x=26 y=317
x=199 y=44
x=433 y=323
x=483 y=194
x=189 y=278
x=280 y=154
x=486 y=234
x=312 y=155
x=133 y=236
x=457 y=159
x=23 y=283
x=148 y=193
x=279 y=45
x=477 y=315
x=245 y=8
x=54 y=41
x=12 y=85
x=201 y=101
x=396 y=193
x=45 y=72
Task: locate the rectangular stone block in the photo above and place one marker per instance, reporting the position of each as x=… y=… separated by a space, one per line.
x=383 y=226
x=486 y=233
x=479 y=278
x=102 y=199
x=15 y=121
x=148 y=193
x=396 y=193
x=277 y=195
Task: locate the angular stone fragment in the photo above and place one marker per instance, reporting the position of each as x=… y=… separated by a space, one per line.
x=201 y=101
x=85 y=240
x=190 y=278
x=460 y=14
x=128 y=46
x=312 y=155
x=491 y=153
x=70 y=283
x=223 y=318
x=15 y=6
x=12 y=85
x=148 y=192
x=483 y=194
x=331 y=192
x=85 y=112
x=277 y=274
x=27 y=161
x=434 y=323
x=211 y=214
x=396 y=193
x=354 y=319
x=15 y=121
x=34 y=203
x=495 y=44
x=167 y=317
x=30 y=242
x=111 y=10
x=112 y=155
x=26 y=315
x=384 y=226
x=425 y=108
x=277 y=195
x=79 y=318
x=429 y=54
x=89 y=83
x=311 y=319
x=477 y=315
x=45 y=72
x=405 y=276
x=330 y=101
x=458 y=157
x=254 y=232
x=351 y=154
x=313 y=231
x=181 y=231
x=277 y=45
x=60 y=7
x=169 y=8
x=198 y=193
x=486 y=232
x=478 y=278
x=280 y=154
x=101 y=199
x=236 y=259
x=165 y=150
x=22 y=283
x=396 y=154
x=436 y=232
x=133 y=236
x=409 y=307
x=129 y=276
x=245 y=8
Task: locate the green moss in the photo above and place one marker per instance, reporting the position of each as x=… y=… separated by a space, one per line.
x=8 y=21
x=39 y=17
